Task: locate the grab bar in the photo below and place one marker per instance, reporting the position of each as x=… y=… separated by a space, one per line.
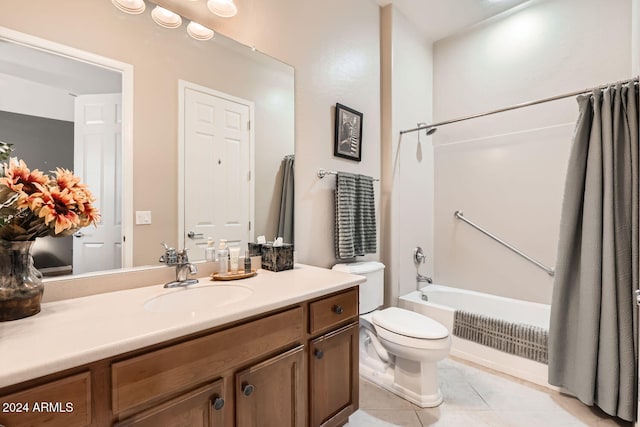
x=460 y=216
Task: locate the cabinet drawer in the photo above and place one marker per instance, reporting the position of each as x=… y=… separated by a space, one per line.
x=151 y=377
x=332 y=311
x=64 y=403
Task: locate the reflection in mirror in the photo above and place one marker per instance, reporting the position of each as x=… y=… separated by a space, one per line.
x=160 y=59
x=61 y=112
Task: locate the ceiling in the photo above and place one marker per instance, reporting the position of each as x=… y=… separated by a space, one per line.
x=40 y=66
x=437 y=19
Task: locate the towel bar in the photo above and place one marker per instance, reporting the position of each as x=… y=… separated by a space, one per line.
x=323 y=172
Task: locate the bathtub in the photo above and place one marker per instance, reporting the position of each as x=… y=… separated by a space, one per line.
x=443 y=301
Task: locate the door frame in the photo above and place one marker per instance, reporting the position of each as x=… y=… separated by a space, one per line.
x=126 y=71
x=183 y=85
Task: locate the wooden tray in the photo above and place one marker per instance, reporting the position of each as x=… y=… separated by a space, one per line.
x=233 y=276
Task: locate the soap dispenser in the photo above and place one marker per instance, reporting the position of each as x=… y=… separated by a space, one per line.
x=210 y=250
x=223 y=257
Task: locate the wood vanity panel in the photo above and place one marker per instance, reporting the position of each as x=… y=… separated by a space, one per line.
x=195 y=409
x=148 y=378
x=333 y=376
x=276 y=397
x=65 y=403
x=332 y=311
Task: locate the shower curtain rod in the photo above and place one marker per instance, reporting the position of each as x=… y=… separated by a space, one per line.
x=514 y=107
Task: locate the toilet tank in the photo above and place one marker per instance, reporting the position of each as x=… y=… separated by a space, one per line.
x=371 y=291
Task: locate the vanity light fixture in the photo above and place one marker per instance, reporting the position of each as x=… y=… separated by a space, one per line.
x=198 y=31
x=133 y=7
x=223 y=8
x=166 y=18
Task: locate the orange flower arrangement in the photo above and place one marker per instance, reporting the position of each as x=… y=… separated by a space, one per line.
x=34 y=205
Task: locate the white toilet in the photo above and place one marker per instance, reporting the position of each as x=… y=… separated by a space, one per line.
x=399 y=349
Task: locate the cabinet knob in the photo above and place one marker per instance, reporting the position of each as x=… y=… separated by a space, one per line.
x=318 y=353
x=218 y=403
x=248 y=389
x=337 y=309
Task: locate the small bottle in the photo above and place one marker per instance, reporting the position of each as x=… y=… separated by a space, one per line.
x=223 y=257
x=210 y=250
x=247 y=262
x=234 y=257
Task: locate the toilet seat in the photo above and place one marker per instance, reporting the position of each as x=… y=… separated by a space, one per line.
x=409 y=329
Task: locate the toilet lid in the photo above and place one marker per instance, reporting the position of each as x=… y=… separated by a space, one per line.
x=409 y=323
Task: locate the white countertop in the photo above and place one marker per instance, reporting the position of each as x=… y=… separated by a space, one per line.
x=74 y=332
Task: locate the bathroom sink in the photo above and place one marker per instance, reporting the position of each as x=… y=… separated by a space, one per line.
x=197 y=299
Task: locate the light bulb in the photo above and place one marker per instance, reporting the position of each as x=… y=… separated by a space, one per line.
x=166 y=18
x=223 y=8
x=199 y=32
x=133 y=7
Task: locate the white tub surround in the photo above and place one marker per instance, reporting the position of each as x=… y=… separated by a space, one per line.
x=74 y=332
x=441 y=304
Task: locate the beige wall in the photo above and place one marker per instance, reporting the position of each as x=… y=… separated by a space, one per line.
x=407 y=160
x=160 y=57
x=506 y=172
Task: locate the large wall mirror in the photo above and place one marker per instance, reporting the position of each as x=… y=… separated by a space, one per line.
x=47 y=130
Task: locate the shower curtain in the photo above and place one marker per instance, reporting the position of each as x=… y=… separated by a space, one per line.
x=285 y=220
x=593 y=331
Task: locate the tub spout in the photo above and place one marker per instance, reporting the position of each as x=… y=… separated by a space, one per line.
x=420 y=278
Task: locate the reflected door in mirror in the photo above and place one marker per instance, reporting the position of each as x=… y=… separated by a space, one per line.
x=217 y=175
x=97 y=152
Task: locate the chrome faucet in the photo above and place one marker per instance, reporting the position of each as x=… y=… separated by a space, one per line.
x=420 y=278
x=180 y=260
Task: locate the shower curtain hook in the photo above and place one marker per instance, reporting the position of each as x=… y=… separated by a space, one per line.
x=420 y=124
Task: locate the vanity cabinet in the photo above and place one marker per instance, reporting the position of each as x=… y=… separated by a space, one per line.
x=64 y=402
x=333 y=359
x=271 y=393
x=203 y=407
x=333 y=376
x=296 y=366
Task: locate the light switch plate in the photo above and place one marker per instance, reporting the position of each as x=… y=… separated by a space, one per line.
x=143 y=217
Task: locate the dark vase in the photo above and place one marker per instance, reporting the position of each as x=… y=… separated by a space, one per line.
x=21 y=285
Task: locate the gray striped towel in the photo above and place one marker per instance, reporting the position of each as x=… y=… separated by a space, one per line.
x=355 y=221
x=515 y=338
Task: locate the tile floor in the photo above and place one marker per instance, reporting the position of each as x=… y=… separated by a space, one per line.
x=475 y=396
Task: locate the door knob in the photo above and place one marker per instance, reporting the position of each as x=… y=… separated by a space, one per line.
x=194 y=235
x=218 y=403
x=248 y=389
x=318 y=353
x=337 y=309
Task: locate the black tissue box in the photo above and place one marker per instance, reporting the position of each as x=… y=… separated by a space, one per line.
x=255 y=249
x=277 y=258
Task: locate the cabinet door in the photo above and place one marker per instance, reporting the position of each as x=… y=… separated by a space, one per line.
x=333 y=376
x=203 y=407
x=61 y=403
x=272 y=393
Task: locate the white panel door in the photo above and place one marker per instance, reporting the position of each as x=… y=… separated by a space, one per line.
x=97 y=154
x=217 y=196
